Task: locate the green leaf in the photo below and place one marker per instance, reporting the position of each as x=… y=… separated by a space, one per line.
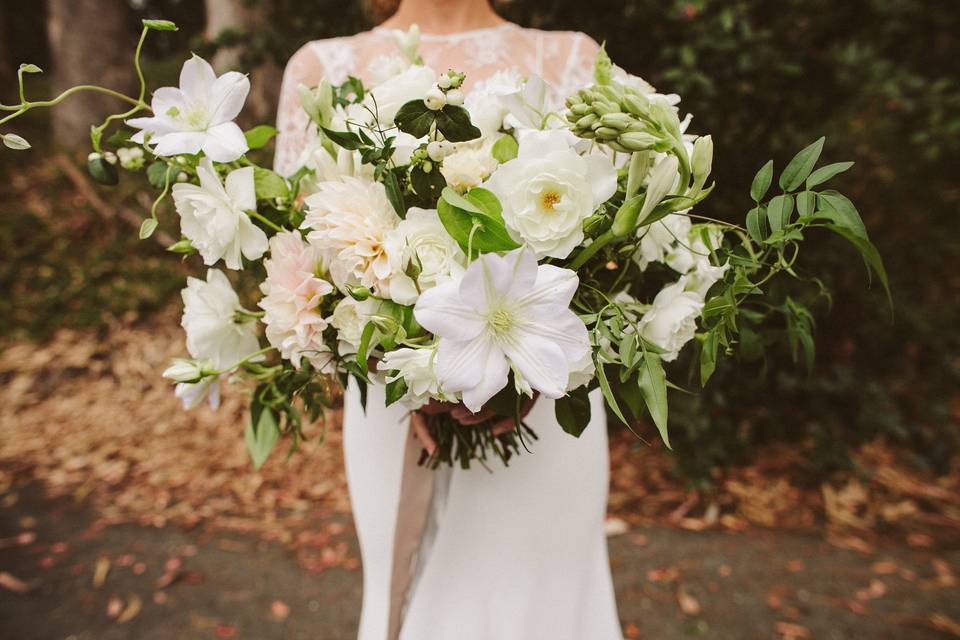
x=608 y=392
x=708 y=357
x=368 y=340
x=427 y=185
x=182 y=246
x=806 y=203
x=801 y=166
x=505 y=149
x=870 y=255
x=415 y=118
x=102 y=171
x=147 y=228
x=261 y=438
x=480 y=208
x=778 y=212
x=754 y=227
x=573 y=411
x=395 y=390
x=30 y=68
x=259 y=136
x=269 y=185
x=394 y=193
x=15 y=142
x=761 y=182
x=653 y=386
x=157 y=174
x=454 y=123
x=160 y=25
x=827 y=172
x=346 y=139
x=841 y=210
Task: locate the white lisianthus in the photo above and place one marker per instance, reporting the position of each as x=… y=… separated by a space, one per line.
x=506 y=312
x=213 y=216
x=527 y=107
x=485 y=102
x=469 y=165
x=384 y=67
x=672 y=320
x=197 y=116
x=188 y=370
x=421 y=241
x=292 y=292
x=416 y=368
x=192 y=394
x=408 y=41
x=349 y=221
x=657 y=240
x=548 y=190
x=349 y=318
x=386 y=98
x=217 y=329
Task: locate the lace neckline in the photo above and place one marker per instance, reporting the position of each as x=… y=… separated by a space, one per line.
x=459 y=35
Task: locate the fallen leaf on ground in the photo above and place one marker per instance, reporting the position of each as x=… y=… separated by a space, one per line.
x=12 y=583
x=100 y=572
x=791 y=631
x=133 y=608
x=943 y=622
x=280 y=609
x=688 y=604
x=632 y=631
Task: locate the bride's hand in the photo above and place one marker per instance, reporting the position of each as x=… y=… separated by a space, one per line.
x=464 y=416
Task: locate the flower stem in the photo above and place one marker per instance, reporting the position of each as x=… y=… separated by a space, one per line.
x=256 y=215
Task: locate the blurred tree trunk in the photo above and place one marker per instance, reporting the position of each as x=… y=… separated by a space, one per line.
x=90 y=43
x=243 y=18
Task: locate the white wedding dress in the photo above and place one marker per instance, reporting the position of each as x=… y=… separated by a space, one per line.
x=517 y=554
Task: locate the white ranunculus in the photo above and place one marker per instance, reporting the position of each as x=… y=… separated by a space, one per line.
x=506 y=312
x=672 y=320
x=469 y=165
x=416 y=368
x=213 y=216
x=197 y=116
x=548 y=190
x=485 y=102
x=422 y=241
x=293 y=291
x=349 y=221
x=660 y=238
x=216 y=331
x=349 y=318
x=386 y=98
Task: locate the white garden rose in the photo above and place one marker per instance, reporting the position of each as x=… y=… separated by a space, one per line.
x=349 y=221
x=416 y=368
x=213 y=216
x=548 y=190
x=469 y=165
x=386 y=98
x=422 y=241
x=216 y=329
x=349 y=318
x=293 y=291
x=672 y=320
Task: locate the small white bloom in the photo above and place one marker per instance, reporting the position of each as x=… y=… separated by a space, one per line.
x=435 y=150
x=416 y=368
x=349 y=318
x=435 y=99
x=506 y=312
x=192 y=394
x=215 y=329
x=214 y=217
x=421 y=239
x=692 y=258
x=444 y=82
x=197 y=116
x=349 y=221
x=548 y=190
x=408 y=41
x=131 y=158
x=659 y=239
x=469 y=164
x=293 y=291
x=672 y=320
x=386 y=98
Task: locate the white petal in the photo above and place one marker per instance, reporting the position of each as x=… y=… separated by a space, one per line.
x=196 y=77
x=491 y=278
x=172 y=144
x=602 y=177
x=225 y=142
x=554 y=285
x=440 y=311
x=494 y=371
x=562 y=327
x=229 y=92
x=252 y=240
x=209 y=179
x=541 y=362
x=240 y=188
x=459 y=363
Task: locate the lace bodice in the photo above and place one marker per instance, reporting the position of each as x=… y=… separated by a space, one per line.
x=563 y=58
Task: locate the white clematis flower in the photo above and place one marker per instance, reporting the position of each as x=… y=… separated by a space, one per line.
x=672 y=320
x=506 y=312
x=197 y=116
x=213 y=216
x=548 y=190
x=217 y=330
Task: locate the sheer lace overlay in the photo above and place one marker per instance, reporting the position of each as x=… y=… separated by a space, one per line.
x=563 y=58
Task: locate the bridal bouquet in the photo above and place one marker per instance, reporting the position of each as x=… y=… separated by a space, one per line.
x=478 y=248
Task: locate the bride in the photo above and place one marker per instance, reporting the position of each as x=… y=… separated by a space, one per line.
x=452 y=554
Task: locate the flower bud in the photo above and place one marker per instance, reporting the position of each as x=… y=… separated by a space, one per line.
x=637 y=140
x=586 y=121
x=435 y=99
x=702 y=160
x=455 y=97
x=606 y=132
x=358 y=292
x=603 y=107
x=187 y=370
x=636 y=105
x=580 y=109
x=617 y=120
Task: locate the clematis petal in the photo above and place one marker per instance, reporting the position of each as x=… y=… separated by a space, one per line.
x=225 y=142
x=458 y=363
x=554 y=286
x=494 y=376
x=172 y=144
x=540 y=360
x=240 y=188
x=228 y=93
x=440 y=311
x=196 y=77
x=562 y=327
x=498 y=278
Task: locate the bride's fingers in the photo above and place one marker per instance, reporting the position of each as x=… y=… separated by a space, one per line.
x=419 y=424
x=501 y=427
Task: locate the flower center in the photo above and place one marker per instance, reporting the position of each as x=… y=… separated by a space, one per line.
x=501 y=321
x=549 y=199
x=194 y=116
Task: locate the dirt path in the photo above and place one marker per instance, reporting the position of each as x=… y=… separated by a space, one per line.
x=168 y=583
